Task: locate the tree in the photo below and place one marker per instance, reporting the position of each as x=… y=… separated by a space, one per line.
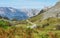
x=57 y=15
x=5 y=18
x=0 y=16
x=58 y=27
x=14 y=19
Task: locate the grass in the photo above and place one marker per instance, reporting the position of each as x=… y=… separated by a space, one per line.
x=20 y=30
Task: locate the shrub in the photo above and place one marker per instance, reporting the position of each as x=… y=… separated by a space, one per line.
x=4 y=24
x=58 y=27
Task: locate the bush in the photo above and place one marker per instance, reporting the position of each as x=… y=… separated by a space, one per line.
x=4 y=24
x=58 y=27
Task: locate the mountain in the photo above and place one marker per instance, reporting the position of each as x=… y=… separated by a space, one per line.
x=31 y=12
x=18 y=14
x=53 y=11
x=12 y=13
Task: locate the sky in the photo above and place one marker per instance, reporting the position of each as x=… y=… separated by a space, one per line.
x=37 y=4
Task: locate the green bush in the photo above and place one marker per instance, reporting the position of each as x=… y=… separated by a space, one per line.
x=4 y=24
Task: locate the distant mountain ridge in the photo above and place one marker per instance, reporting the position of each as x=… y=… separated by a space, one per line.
x=12 y=13
x=31 y=12
x=18 y=14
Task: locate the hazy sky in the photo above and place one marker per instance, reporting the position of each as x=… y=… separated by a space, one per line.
x=27 y=3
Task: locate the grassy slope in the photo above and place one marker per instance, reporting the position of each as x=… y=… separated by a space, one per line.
x=21 y=30
x=35 y=18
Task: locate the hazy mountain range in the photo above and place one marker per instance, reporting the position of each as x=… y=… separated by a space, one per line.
x=19 y=14
x=31 y=12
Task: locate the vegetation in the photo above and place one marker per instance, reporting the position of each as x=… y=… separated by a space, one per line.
x=48 y=28
x=4 y=24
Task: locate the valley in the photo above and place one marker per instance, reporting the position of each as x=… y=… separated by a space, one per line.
x=45 y=24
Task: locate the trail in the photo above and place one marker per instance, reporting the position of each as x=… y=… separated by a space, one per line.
x=33 y=24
